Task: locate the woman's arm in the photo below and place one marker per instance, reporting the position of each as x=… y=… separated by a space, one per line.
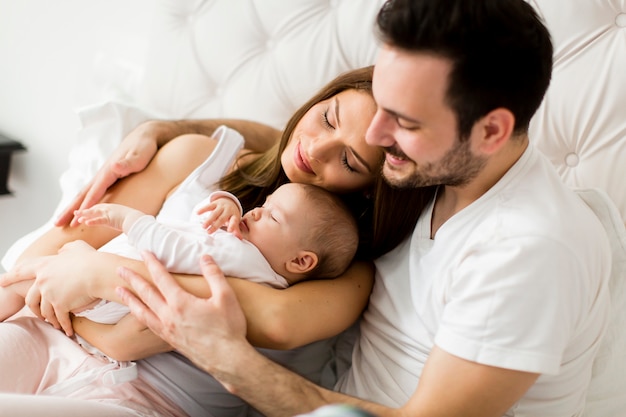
x=138 y=147
x=305 y=312
x=125 y=340
x=145 y=191
x=277 y=319
x=257 y=136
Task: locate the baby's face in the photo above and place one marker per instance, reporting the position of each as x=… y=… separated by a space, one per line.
x=277 y=227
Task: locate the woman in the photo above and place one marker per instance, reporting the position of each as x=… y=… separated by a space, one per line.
x=322 y=144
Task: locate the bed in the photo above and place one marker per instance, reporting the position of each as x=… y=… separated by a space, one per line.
x=260 y=60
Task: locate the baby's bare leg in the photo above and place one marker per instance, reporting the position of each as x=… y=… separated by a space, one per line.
x=12 y=298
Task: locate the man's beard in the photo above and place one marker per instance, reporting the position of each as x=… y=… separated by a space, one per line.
x=457 y=168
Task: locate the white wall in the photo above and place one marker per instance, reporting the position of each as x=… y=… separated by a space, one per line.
x=55 y=56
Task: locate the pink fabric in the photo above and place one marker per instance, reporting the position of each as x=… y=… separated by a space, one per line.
x=35 y=357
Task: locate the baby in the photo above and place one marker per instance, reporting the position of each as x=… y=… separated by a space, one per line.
x=301 y=231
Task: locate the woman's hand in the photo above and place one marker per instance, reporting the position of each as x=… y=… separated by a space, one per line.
x=59 y=283
x=132 y=155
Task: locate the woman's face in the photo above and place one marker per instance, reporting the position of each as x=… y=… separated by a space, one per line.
x=327 y=148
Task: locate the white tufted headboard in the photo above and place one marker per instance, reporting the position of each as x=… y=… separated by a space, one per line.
x=581 y=124
x=261 y=59
x=263 y=65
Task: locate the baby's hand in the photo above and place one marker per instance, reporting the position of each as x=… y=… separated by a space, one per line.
x=110 y=215
x=223 y=212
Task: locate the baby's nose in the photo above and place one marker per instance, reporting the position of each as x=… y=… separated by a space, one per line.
x=255 y=214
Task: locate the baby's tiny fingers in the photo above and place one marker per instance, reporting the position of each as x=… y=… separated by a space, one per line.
x=208 y=207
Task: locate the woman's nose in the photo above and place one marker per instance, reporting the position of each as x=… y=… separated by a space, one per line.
x=320 y=148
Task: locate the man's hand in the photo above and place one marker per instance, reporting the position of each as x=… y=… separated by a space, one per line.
x=204 y=330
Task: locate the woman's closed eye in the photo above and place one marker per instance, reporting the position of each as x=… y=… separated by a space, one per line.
x=325 y=120
x=345 y=163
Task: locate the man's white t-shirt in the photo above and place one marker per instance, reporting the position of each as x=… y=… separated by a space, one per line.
x=516 y=280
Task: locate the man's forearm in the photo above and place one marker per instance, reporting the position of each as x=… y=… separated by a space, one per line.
x=267 y=386
x=272 y=389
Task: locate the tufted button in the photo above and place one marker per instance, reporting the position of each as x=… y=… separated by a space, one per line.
x=571 y=159
x=269 y=44
x=620 y=20
x=191 y=19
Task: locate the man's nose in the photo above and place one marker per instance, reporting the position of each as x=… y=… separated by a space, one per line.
x=379 y=132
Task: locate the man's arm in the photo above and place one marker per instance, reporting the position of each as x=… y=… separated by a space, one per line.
x=449 y=386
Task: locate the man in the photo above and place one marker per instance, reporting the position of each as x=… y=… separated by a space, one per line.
x=496 y=304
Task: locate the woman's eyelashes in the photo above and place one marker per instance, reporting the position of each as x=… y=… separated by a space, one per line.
x=325 y=120
x=344 y=157
x=345 y=163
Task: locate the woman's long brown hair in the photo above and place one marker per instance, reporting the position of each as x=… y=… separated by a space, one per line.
x=385 y=215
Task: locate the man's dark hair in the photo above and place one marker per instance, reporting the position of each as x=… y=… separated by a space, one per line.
x=500 y=50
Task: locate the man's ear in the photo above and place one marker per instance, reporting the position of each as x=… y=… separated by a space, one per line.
x=497 y=127
x=304 y=261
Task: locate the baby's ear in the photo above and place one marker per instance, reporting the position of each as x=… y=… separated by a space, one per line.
x=305 y=261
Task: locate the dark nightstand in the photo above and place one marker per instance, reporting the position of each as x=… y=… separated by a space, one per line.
x=7 y=147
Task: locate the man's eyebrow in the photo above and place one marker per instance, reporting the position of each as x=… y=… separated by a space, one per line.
x=337 y=111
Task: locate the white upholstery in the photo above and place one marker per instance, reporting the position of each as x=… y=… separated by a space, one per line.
x=607 y=392
x=581 y=124
x=260 y=59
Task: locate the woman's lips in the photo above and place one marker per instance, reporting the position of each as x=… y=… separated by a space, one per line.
x=301 y=163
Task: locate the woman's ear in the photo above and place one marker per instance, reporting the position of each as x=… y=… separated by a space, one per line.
x=305 y=261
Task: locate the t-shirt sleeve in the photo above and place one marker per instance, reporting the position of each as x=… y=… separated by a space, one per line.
x=505 y=306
